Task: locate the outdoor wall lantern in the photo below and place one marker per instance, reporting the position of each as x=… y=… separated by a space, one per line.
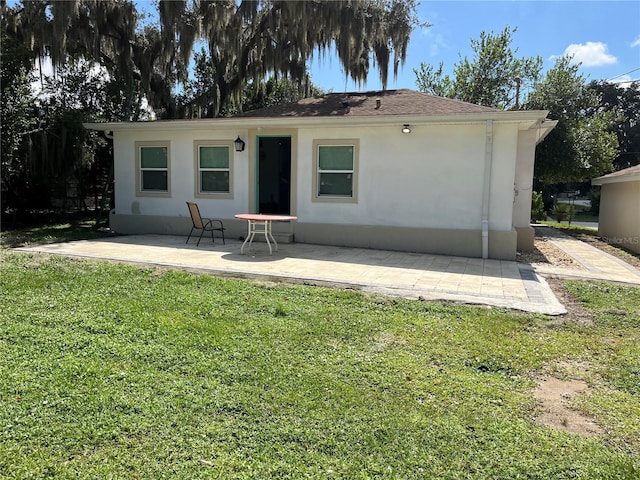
x=239 y=144
x=406 y=128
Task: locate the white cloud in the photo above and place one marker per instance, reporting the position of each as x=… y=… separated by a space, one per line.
x=590 y=54
x=433 y=38
x=435 y=42
x=636 y=42
x=622 y=79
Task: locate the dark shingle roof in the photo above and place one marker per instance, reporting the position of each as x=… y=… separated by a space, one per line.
x=359 y=104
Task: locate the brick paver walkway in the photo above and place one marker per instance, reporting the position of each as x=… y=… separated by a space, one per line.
x=597 y=264
x=412 y=275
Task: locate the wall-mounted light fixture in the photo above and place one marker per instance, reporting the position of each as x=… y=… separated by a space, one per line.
x=406 y=128
x=239 y=144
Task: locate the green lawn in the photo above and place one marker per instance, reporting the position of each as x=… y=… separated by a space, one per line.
x=565 y=226
x=58 y=228
x=116 y=371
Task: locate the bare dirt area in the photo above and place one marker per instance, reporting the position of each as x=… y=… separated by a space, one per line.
x=544 y=252
x=555 y=396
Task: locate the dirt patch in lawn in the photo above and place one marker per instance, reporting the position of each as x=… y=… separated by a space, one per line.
x=555 y=395
x=555 y=398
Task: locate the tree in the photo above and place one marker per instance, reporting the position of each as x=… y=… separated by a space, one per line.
x=275 y=92
x=254 y=95
x=434 y=81
x=18 y=115
x=583 y=145
x=625 y=100
x=44 y=145
x=251 y=41
x=492 y=78
x=247 y=42
x=56 y=151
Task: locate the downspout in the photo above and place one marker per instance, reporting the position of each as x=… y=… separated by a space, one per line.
x=486 y=189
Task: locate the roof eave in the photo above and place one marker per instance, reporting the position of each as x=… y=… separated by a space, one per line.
x=604 y=180
x=545 y=126
x=531 y=117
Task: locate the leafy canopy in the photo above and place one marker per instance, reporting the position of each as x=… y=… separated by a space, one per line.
x=245 y=41
x=490 y=78
x=626 y=101
x=583 y=145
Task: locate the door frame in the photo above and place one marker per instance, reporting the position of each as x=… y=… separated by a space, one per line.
x=254 y=135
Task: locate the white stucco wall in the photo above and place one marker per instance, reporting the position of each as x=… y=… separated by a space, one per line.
x=505 y=145
x=524 y=177
x=403 y=179
x=430 y=178
x=619 y=220
x=182 y=175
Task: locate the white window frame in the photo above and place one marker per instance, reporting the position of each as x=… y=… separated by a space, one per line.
x=198 y=178
x=347 y=142
x=140 y=192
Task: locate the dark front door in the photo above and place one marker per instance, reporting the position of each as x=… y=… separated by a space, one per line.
x=274 y=175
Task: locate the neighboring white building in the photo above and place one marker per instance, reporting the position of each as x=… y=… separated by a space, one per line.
x=397 y=170
x=619 y=219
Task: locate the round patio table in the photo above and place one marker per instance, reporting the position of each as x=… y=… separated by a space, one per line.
x=261 y=223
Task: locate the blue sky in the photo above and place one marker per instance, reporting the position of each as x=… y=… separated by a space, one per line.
x=603 y=35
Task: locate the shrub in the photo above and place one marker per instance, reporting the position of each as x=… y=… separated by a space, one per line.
x=564 y=211
x=537 y=207
x=594 y=198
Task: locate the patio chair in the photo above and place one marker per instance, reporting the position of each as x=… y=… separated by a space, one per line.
x=204 y=224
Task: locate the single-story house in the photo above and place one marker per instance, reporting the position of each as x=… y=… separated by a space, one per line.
x=396 y=170
x=619 y=220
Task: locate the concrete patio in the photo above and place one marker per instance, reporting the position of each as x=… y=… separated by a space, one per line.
x=409 y=275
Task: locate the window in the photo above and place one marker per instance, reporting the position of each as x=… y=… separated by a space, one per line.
x=153 y=176
x=336 y=164
x=213 y=168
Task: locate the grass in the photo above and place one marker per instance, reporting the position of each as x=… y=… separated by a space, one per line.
x=585 y=217
x=57 y=228
x=573 y=228
x=578 y=217
x=115 y=371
